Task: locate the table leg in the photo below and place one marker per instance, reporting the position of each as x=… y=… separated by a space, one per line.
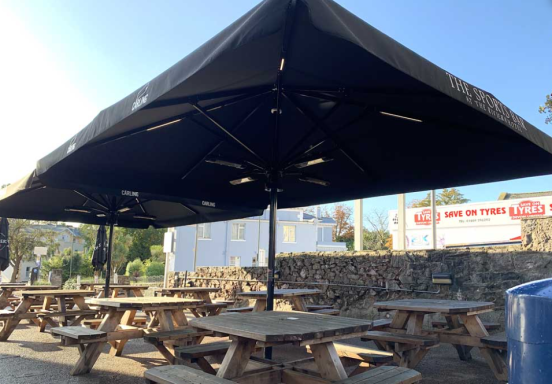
x=475 y=327
x=62 y=307
x=464 y=353
x=328 y=361
x=4 y=298
x=11 y=323
x=117 y=346
x=399 y=320
x=205 y=297
x=260 y=305
x=92 y=351
x=115 y=293
x=299 y=303
x=137 y=292
x=236 y=359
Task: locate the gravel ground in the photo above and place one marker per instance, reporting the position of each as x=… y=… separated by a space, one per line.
x=30 y=357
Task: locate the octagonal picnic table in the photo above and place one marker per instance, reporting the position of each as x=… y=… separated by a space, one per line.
x=465 y=329
x=296 y=296
x=266 y=329
x=117 y=324
x=13 y=318
x=116 y=289
x=200 y=293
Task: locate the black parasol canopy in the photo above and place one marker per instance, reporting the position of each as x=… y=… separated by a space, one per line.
x=99 y=257
x=4 y=244
x=304 y=98
x=29 y=198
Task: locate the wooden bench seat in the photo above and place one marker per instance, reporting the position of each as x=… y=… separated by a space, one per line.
x=374 y=357
x=181 y=374
x=80 y=334
x=498 y=341
x=327 y=311
x=69 y=313
x=385 y=375
x=380 y=324
x=5 y=314
x=422 y=341
x=158 y=338
x=95 y=323
x=316 y=307
x=488 y=326
x=227 y=302
x=240 y=310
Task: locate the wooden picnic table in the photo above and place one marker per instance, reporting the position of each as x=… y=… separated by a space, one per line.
x=465 y=329
x=296 y=296
x=201 y=293
x=7 y=290
x=117 y=289
x=266 y=329
x=46 y=314
x=117 y=324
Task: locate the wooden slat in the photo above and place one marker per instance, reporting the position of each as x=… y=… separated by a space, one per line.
x=189 y=290
x=79 y=333
x=385 y=375
x=434 y=306
x=363 y=354
x=57 y=293
x=180 y=374
x=280 y=293
x=143 y=302
x=423 y=341
x=174 y=335
x=240 y=310
x=498 y=341
x=68 y=313
x=202 y=350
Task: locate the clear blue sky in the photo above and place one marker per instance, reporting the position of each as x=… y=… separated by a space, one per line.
x=63 y=61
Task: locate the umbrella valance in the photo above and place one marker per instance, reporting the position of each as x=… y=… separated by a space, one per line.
x=29 y=198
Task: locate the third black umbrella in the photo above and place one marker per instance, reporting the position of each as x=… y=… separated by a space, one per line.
x=300 y=97
x=99 y=257
x=4 y=244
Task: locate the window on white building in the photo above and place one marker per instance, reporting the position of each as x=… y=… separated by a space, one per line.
x=263 y=261
x=238 y=231
x=235 y=261
x=289 y=233
x=204 y=231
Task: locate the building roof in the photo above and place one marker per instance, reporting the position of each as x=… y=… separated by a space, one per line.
x=512 y=196
x=58 y=228
x=323 y=220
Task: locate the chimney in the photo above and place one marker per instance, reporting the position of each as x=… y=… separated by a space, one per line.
x=318 y=212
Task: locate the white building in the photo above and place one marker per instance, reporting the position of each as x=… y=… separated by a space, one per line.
x=244 y=242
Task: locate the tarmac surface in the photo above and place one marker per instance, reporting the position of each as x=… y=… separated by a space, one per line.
x=30 y=357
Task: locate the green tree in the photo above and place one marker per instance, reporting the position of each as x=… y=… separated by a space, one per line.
x=155 y=268
x=142 y=240
x=135 y=268
x=121 y=248
x=23 y=238
x=447 y=196
x=86 y=269
x=547 y=109
x=157 y=253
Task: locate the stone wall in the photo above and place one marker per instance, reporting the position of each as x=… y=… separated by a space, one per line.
x=536 y=234
x=480 y=274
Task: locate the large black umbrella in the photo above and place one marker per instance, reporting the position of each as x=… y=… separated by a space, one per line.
x=4 y=244
x=29 y=198
x=302 y=97
x=99 y=257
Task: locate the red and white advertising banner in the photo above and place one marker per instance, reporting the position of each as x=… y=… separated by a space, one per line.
x=474 y=223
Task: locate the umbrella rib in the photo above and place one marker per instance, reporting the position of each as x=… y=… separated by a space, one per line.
x=309 y=133
x=237 y=127
x=91 y=198
x=166 y=121
x=189 y=209
x=228 y=133
x=321 y=126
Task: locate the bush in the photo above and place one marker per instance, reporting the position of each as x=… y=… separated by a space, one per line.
x=70 y=284
x=155 y=268
x=135 y=268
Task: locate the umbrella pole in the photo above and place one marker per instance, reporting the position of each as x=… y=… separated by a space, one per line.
x=108 y=263
x=271 y=255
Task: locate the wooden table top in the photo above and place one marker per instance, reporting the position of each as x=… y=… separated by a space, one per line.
x=28 y=287
x=190 y=289
x=118 y=286
x=283 y=326
x=141 y=302
x=434 y=306
x=57 y=293
x=279 y=293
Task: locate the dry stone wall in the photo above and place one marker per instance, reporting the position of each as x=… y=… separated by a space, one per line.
x=362 y=278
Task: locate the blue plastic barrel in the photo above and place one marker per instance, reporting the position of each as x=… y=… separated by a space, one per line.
x=529 y=331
